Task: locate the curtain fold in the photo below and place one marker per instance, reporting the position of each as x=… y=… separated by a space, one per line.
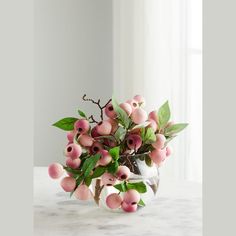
x=151 y=57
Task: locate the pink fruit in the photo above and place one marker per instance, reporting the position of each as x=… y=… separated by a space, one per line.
x=134 y=104
x=134 y=141
x=109 y=142
x=153 y=116
x=68 y=184
x=123 y=173
x=55 y=170
x=139 y=116
x=140 y=99
x=82 y=126
x=104 y=127
x=105 y=158
x=160 y=141
x=114 y=125
x=169 y=151
x=110 y=112
x=131 y=196
x=127 y=108
x=94 y=132
x=96 y=147
x=158 y=155
x=113 y=201
x=73 y=150
x=153 y=125
x=108 y=179
x=70 y=135
x=82 y=192
x=129 y=207
x=85 y=140
x=73 y=163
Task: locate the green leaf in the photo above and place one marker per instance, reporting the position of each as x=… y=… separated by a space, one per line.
x=148 y=161
x=100 y=170
x=88 y=180
x=79 y=179
x=168 y=140
x=120 y=134
x=73 y=171
x=112 y=167
x=174 y=129
x=115 y=153
x=150 y=136
x=66 y=124
x=121 y=187
x=143 y=125
x=89 y=164
x=143 y=132
x=163 y=115
x=122 y=115
x=141 y=203
x=139 y=186
x=81 y=113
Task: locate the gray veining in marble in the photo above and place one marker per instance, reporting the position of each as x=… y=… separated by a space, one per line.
x=177 y=211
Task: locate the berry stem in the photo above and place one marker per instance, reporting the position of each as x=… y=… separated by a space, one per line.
x=98 y=190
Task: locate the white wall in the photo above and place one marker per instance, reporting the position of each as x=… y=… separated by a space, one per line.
x=73 y=56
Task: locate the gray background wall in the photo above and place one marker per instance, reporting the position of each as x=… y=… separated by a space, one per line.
x=73 y=56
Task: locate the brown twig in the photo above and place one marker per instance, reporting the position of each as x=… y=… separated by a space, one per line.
x=98 y=190
x=92 y=119
x=98 y=104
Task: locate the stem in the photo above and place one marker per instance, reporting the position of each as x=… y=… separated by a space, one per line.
x=92 y=119
x=98 y=190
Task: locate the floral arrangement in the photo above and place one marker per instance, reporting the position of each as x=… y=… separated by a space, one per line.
x=106 y=150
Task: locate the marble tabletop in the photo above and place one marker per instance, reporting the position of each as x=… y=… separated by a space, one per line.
x=177 y=211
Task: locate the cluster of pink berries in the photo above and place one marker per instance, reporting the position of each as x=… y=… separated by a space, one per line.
x=85 y=143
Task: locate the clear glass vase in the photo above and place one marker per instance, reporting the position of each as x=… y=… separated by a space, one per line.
x=148 y=175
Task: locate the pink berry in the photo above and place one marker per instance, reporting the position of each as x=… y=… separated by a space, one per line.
x=110 y=112
x=82 y=126
x=109 y=142
x=68 y=184
x=140 y=99
x=169 y=151
x=104 y=127
x=153 y=125
x=153 y=116
x=85 y=140
x=94 y=132
x=131 y=196
x=73 y=151
x=129 y=207
x=134 y=104
x=160 y=141
x=114 y=125
x=113 y=201
x=70 y=135
x=96 y=147
x=158 y=155
x=139 y=116
x=134 y=141
x=55 y=170
x=82 y=192
x=105 y=158
x=123 y=173
x=127 y=108
x=108 y=179
x=73 y=163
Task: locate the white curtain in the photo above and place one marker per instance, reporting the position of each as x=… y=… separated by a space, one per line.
x=157 y=53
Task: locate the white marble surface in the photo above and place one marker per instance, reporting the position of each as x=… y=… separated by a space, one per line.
x=177 y=211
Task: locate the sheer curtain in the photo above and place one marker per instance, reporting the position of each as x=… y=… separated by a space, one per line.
x=157 y=53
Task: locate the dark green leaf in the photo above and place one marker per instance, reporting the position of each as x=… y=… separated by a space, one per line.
x=73 y=171
x=66 y=123
x=79 y=179
x=81 y=113
x=139 y=186
x=120 y=134
x=100 y=170
x=89 y=164
x=148 y=161
x=174 y=129
x=163 y=115
x=112 y=167
x=88 y=180
x=115 y=153
x=122 y=115
x=141 y=203
x=121 y=187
